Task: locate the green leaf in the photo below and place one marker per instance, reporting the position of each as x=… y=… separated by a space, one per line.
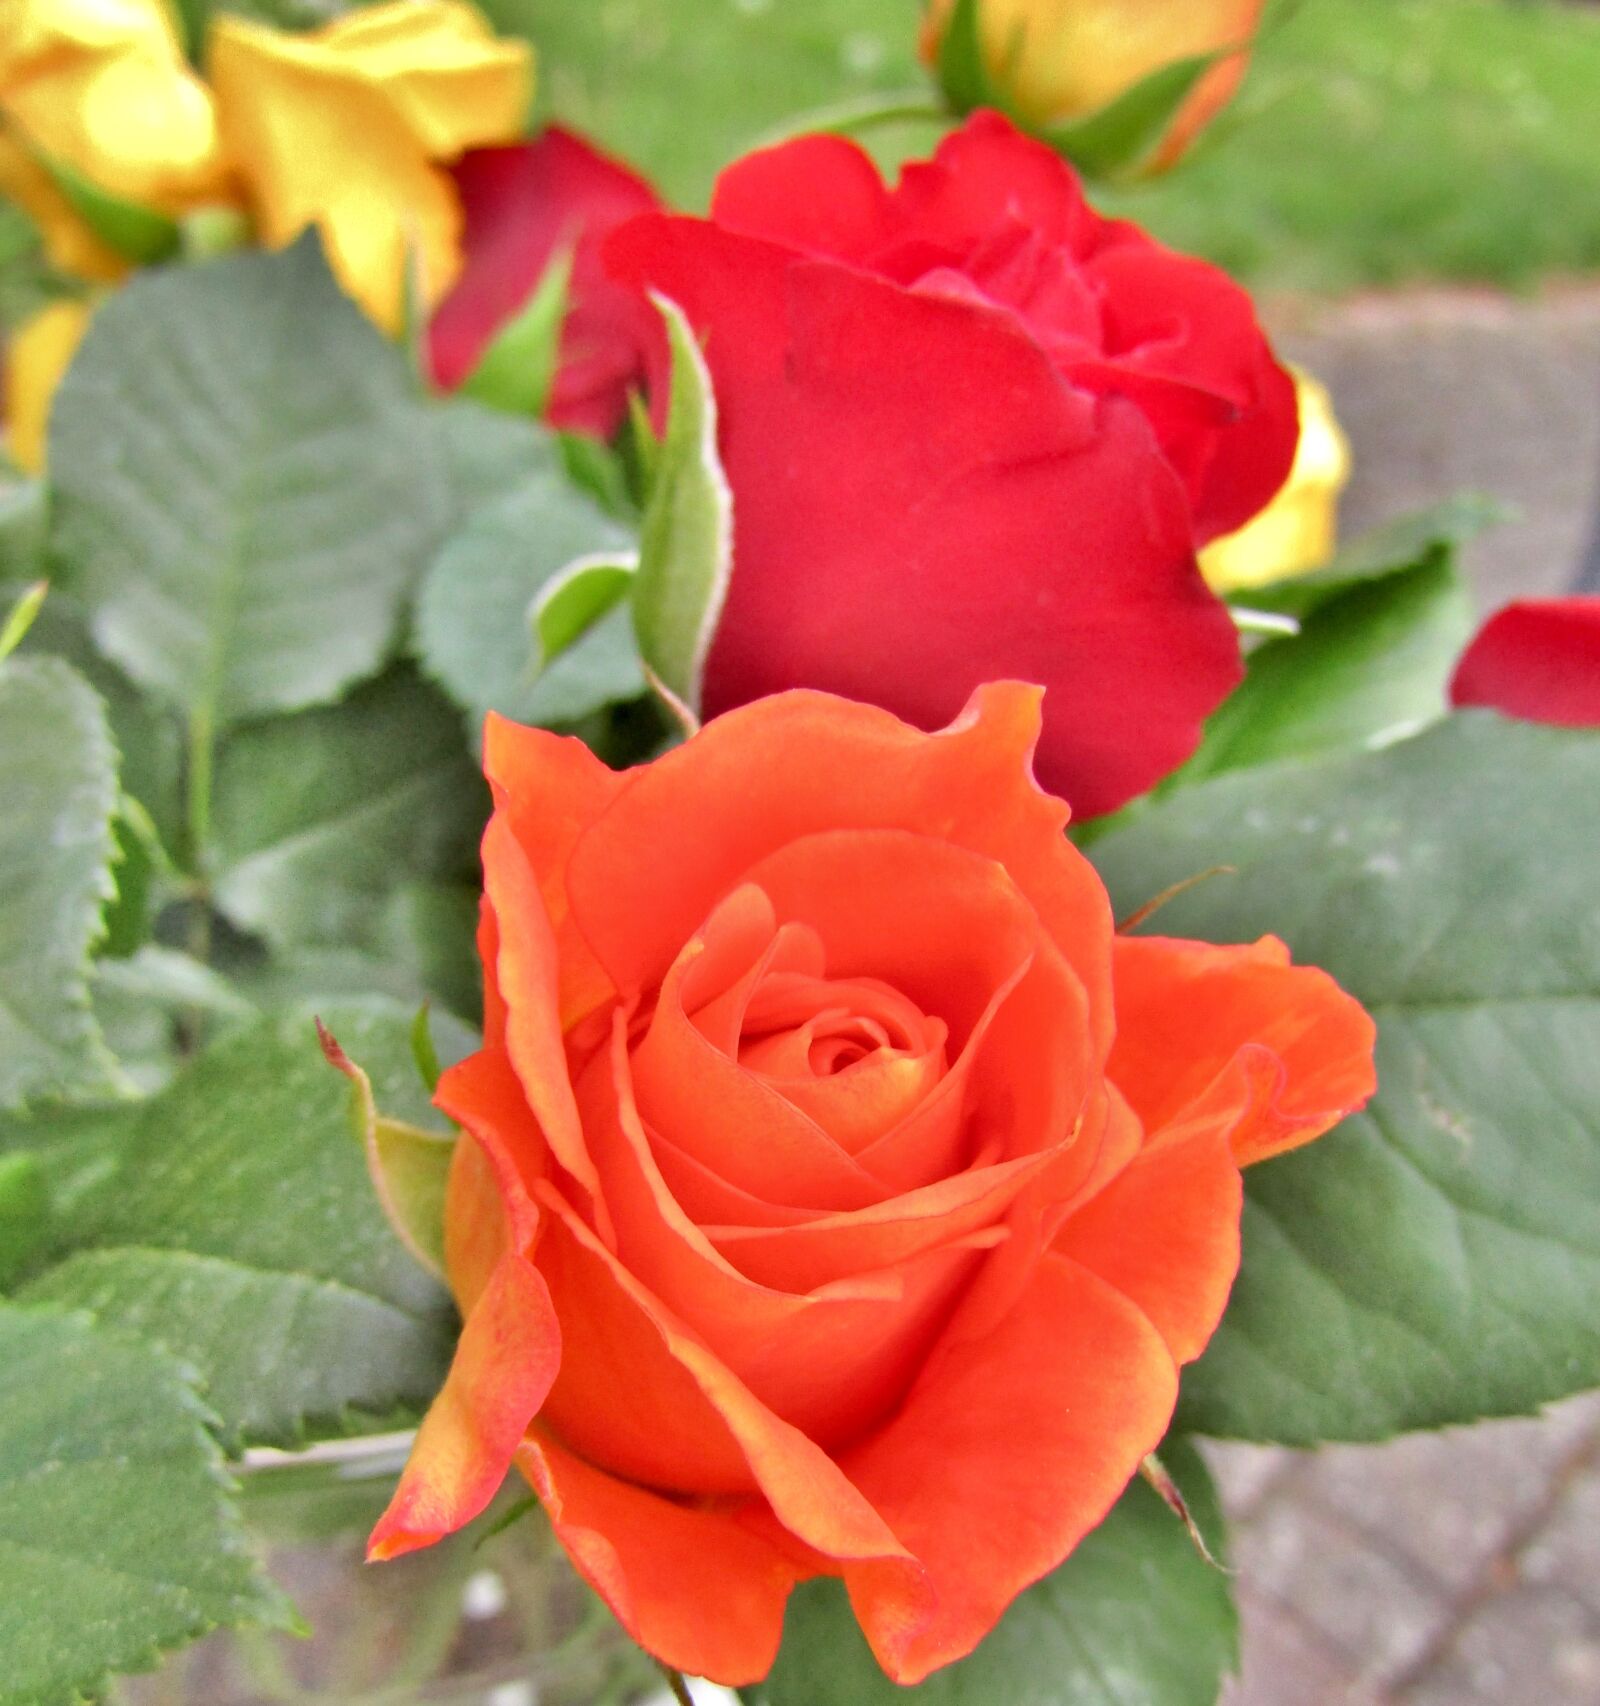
x=119 y=1538
x=516 y=371
x=320 y=817
x=235 y=1224
x=1135 y=1617
x=576 y=598
x=686 y=540
x=1437 y=1258
x=155 y=1005
x=962 y=73
x=1407 y=542
x=244 y=490
x=58 y=792
x=473 y=616
x=24 y=1213
x=1370 y=665
x=137 y=233
x=19 y=619
x=22 y=528
x=147 y=736
x=409 y=1167
x=1124 y=132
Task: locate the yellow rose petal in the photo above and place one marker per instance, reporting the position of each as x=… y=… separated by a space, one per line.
x=1297 y=531
x=346 y=128
x=38 y=353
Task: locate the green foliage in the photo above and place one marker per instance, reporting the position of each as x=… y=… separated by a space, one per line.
x=474 y=615
x=138 y=234
x=1370 y=664
x=516 y=371
x=1341 y=163
x=230 y=1219
x=119 y=1538
x=1134 y=1615
x=1437 y=1258
x=686 y=540
x=58 y=793
x=239 y=464
x=318 y=817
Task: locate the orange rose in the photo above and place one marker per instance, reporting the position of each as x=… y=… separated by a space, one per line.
x=841 y=1195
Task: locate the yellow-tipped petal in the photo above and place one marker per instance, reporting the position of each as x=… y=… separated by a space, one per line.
x=37 y=354
x=1297 y=531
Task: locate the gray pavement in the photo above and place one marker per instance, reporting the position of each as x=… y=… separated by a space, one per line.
x=1448 y=391
x=1463 y=1568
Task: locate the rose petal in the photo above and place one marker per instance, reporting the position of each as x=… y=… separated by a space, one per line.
x=510 y=1346
x=1007 y=1452
x=1538 y=659
x=1165 y=1233
x=1237 y=1034
x=692 y=1584
x=687 y=829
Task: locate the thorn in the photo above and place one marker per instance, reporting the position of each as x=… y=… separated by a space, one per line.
x=1152 y=906
x=1156 y=1475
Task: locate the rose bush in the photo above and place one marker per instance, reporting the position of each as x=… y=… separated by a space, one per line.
x=973 y=430
x=840 y=1194
x=524 y=205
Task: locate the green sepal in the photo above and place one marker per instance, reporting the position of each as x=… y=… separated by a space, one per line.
x=1121 y=136
x=573 y=600
x=518 y=368
x=136 y=233
x=686 y=540
x=410 y=1168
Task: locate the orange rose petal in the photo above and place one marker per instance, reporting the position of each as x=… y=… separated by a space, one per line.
x=552 y=787
x=828 y=1357
x=728 y=1119
x=1203 y=1029
x=688 y=827
x=708 y=1199
x=800 y=1258
x=943 y=925
x=527 y=974
x=688 y=1419
x=1008 y=1451
x=692 y=1584
x=1165 y=1233
x=505 y=1360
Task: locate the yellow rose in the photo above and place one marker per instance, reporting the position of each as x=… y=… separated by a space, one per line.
x=346 y=128
x=37 y=354
x=1060 y=60
x=1295 y=533
x=102 y=88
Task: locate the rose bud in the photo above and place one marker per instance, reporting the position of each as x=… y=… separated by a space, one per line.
x=527 y=206
x=838 y=1193
x=1053 y=63
x=973 y=430
x=1538 y=659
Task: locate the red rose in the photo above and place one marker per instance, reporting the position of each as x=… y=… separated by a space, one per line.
x=1538 y=659
x=838 y=1193
x=973 y=430
x=522 y=204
